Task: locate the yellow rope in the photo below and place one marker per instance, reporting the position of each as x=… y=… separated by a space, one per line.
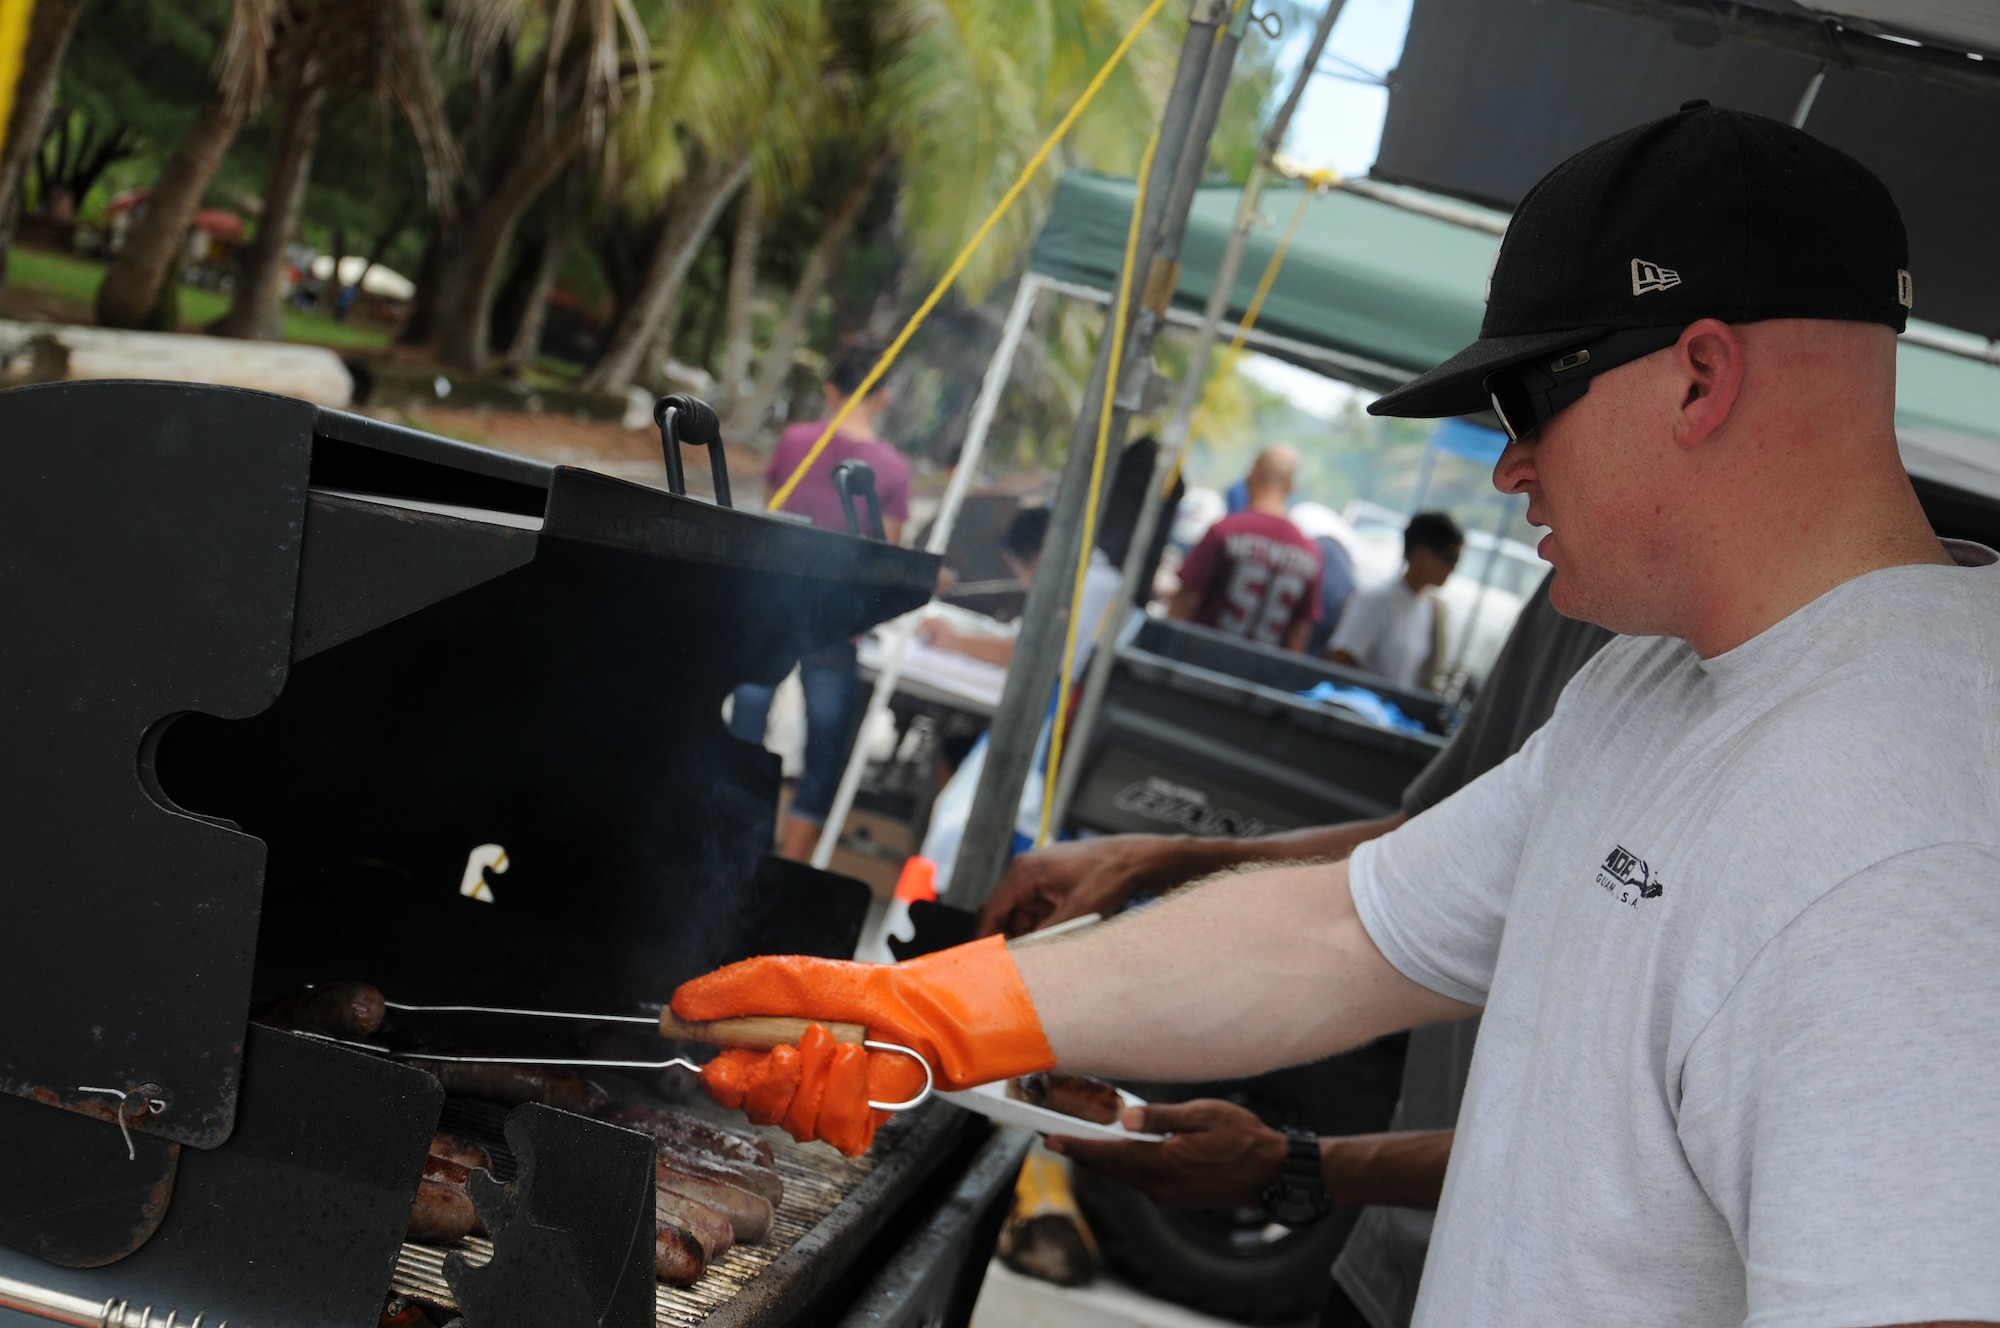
x=14 y=16
x=1117 y=333
x=1315 y=184
x=1007 y=201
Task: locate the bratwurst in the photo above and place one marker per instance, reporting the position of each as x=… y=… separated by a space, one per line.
x=1076 y=1095
x=443 y=1212
x=339 y=1009
x=709 y=1228
x=681 y=1128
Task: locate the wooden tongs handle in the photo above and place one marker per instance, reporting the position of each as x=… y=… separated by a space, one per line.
x=754 y=1032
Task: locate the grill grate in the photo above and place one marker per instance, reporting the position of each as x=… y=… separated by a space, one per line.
x=816 y=1180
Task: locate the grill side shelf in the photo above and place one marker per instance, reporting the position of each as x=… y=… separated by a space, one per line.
x=149 y=557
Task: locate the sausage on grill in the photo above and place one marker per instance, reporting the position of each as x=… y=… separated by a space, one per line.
x=709 y=1228
x=677 y=1256
x=680 y=1127
x=516 y=1084
x=749 y=1214
x=339 y=1009
x=763 y=1182
x=466 y=1153
x=1076 y=1095
x=443 y=1211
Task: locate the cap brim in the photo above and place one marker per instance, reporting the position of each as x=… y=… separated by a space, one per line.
x=1456 y=387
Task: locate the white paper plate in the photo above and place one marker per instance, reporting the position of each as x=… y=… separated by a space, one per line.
x=992 y=1100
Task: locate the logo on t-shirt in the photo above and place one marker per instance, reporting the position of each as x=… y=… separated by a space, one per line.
x=1626 y=877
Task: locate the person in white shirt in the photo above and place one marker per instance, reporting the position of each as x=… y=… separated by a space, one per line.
x=1393 y=629
x=1733 y=913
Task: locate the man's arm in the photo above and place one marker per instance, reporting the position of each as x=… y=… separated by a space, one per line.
x=1346 y=657
x=1185 y=604
x=1241 y=975
x=1085 y=876
x=1220 y=1155
x=1297 y=634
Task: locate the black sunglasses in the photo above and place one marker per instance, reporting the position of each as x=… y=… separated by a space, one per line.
x=1528 y=395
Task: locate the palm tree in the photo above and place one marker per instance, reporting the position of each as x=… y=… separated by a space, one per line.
x=952 y=97
x=746 y=80
x=137 y=278
x=49 y=30
x=329 y=52
x=546 y=76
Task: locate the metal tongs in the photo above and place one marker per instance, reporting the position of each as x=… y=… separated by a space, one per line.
x=750 y=1033
x=83 y=1312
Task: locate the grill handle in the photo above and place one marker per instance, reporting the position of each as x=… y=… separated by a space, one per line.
x=687 y=421
x=756 y=1032
x=849 y=478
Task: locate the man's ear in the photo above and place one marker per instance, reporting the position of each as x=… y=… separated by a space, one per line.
x=1709 y=356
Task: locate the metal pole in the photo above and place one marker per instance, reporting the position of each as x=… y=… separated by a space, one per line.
x=998 y=370
x=1010 y=751
x=1220 y=297
x=1221 y=294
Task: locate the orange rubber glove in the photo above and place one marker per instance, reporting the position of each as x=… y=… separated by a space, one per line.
x=819 y=1089
x=965 y=1010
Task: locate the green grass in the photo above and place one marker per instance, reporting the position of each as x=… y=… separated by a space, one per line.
x=73 y=281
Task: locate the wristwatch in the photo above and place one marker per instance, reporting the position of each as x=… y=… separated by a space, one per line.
x=1297 y=1197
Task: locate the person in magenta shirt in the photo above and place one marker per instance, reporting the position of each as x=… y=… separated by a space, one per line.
x=1254 y=574
x=833 y=697
x=815 y=497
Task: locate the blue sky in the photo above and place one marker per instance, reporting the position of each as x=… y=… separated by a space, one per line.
x=1339 y=123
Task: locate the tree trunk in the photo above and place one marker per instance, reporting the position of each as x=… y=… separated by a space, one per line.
x=254 y=314
x=153 y=247
x=463 y=325
x=328 y=300
x=742 y=292
x=748 y=413
x=49 y=32
x=565 y=223
x=693 y=211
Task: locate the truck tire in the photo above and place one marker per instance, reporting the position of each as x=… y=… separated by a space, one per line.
x=1239 y=1264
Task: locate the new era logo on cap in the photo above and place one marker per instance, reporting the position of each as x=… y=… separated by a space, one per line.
x=1652 y=277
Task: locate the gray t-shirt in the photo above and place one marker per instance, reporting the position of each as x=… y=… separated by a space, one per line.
x=1383 y=1259
x=1735 y=924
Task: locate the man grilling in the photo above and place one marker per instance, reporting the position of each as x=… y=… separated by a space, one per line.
x=1760 y=1089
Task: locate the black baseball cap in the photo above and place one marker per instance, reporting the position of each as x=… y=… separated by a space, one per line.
x=1707 y=213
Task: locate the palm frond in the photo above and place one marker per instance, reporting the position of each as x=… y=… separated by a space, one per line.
x=242 y=61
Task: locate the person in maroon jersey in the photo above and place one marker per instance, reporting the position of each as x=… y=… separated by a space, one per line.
x=1254 y=573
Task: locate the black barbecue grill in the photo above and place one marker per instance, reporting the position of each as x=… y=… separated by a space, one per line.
x=297 y=697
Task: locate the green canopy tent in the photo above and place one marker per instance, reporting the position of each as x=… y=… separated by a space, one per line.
x=1378 y=288
x=1384 y=291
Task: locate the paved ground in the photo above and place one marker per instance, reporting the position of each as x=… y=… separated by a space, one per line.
x=1009 y=1300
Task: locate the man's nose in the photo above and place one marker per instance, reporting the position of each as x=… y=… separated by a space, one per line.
x=1515 y=469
